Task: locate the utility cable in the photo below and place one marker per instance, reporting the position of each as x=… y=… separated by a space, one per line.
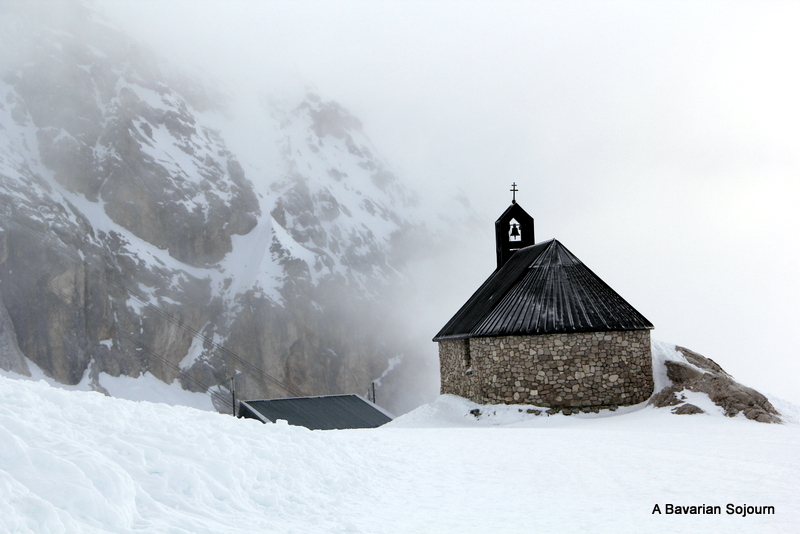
x=223 y=399
x=59 y=247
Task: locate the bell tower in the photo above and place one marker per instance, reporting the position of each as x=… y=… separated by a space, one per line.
x=513 y=230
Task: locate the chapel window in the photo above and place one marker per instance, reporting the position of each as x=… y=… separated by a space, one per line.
x=514 y=232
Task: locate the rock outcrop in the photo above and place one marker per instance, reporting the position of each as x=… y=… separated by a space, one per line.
x=704 y=375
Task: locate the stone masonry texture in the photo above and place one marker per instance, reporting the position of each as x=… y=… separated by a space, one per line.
x=563 y=371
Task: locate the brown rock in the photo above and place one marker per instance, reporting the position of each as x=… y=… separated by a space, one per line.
x=681 y=373
x=720 y=387
x=687 y=409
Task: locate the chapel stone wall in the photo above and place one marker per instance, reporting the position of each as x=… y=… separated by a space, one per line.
x=586 y=370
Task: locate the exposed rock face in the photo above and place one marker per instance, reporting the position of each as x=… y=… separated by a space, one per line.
x=113 y=130
x=11 y=358
x=703 y=375
x=132 y=239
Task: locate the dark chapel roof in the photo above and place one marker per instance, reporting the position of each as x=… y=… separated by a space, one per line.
x=542 y=289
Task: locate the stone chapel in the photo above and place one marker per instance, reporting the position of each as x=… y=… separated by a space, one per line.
x=545 y=330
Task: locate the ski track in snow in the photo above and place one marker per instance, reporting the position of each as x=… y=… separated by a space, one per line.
x=80 y=462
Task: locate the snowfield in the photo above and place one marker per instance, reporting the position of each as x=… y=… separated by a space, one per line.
x=74 y=461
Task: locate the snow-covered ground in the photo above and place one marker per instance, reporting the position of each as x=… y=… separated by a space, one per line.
x=144 y=388
x=74 y=461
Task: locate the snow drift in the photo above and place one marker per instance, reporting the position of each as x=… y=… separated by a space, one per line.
x=81 y=462
x=74 y=461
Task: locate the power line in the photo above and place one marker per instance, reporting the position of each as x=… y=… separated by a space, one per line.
x=207 y=389
x=59 y=247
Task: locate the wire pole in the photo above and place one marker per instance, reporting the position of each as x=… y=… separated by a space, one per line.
x=233 y=397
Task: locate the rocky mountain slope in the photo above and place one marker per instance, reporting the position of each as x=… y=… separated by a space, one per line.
x=134 y=239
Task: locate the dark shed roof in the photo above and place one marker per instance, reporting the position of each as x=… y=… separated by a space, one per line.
x=542 y=289
x=318 y=413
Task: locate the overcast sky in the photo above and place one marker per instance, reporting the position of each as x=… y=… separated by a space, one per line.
x=658 y=141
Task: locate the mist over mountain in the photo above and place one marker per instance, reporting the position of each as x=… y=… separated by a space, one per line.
x=141 y=231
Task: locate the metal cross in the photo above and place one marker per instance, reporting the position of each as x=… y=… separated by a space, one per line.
x=514 y=192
